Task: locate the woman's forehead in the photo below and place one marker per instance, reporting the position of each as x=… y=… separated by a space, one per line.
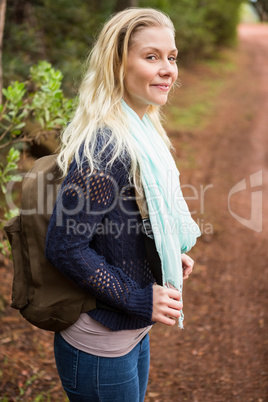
x=154 y=38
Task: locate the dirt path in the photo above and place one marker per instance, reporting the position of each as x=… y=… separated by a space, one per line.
x=222 y=354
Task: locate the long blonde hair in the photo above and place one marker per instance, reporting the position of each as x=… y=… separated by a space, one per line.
x=102 y=89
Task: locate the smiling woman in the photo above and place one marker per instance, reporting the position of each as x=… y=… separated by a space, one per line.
x=151 y=68
x=113 y=151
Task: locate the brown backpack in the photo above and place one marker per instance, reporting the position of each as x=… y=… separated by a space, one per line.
x=44 y=296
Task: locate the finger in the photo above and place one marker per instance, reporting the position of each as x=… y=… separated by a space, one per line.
x=191 y=261
x=167 y=317
x=187 y=259
x=168 y=321
x=187 y=264
x=174 y=304
x=187 y=271
x=173 y=294
x=173 y=313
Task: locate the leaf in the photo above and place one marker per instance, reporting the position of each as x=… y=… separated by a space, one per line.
x=47 y=115
x=58 y=95
x=20 y=125
x=13 y=155
x=11 y=166
x=4 y=91
x=41 y=121
x=3 y=188
x=16 y=133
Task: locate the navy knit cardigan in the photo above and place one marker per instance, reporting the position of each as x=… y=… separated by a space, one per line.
x=95 y=238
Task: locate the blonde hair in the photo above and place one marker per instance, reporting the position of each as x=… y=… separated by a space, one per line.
x=101 y=91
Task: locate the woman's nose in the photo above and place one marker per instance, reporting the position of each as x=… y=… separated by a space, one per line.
x=168 y=69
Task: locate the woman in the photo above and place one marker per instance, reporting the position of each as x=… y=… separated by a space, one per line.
x=115 y=147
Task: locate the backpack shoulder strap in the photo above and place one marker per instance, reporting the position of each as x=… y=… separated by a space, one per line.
x=151 y=251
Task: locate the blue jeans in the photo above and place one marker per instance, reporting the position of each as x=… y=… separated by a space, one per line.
x=89 y=378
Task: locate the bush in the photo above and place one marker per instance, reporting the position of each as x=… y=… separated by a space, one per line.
x=201 y=25
x=40 y=101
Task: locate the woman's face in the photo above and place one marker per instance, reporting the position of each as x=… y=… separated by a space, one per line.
x=151 y=68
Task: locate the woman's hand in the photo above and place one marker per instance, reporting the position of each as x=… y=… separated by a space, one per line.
x=187 y=265
x=166 y=305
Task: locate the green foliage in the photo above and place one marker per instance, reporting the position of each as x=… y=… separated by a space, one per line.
x=13 y=112
x=223 y=17
x=60 y=31
x=40 y=99
x=201 y=25
x=49 y=106
x=7 y=175
x=7 y=170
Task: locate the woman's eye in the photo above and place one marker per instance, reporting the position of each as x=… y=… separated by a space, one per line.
x=152 y=57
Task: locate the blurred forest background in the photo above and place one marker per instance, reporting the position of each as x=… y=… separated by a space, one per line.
x=62 y=31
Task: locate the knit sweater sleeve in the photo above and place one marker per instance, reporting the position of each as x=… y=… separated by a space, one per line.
x=81 y=206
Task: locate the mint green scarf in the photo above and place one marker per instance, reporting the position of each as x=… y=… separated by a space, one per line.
x=174 y=230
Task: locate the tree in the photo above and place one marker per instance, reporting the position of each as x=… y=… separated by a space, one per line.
x=61 y=32
x=2 y=24
x=261 y=7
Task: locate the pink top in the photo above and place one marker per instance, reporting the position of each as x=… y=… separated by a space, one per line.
x=92 y=337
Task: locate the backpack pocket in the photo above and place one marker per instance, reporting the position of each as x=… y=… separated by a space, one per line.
x=20 y=282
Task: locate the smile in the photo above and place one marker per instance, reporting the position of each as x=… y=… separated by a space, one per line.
x=162 y=87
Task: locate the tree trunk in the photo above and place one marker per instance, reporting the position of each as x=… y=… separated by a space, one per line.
x=2 y=24
x=261 y=7
x=122 y=4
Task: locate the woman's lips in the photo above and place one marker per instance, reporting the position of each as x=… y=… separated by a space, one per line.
x=162 y=87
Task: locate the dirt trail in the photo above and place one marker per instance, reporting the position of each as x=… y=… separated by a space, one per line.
x=222 y=355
